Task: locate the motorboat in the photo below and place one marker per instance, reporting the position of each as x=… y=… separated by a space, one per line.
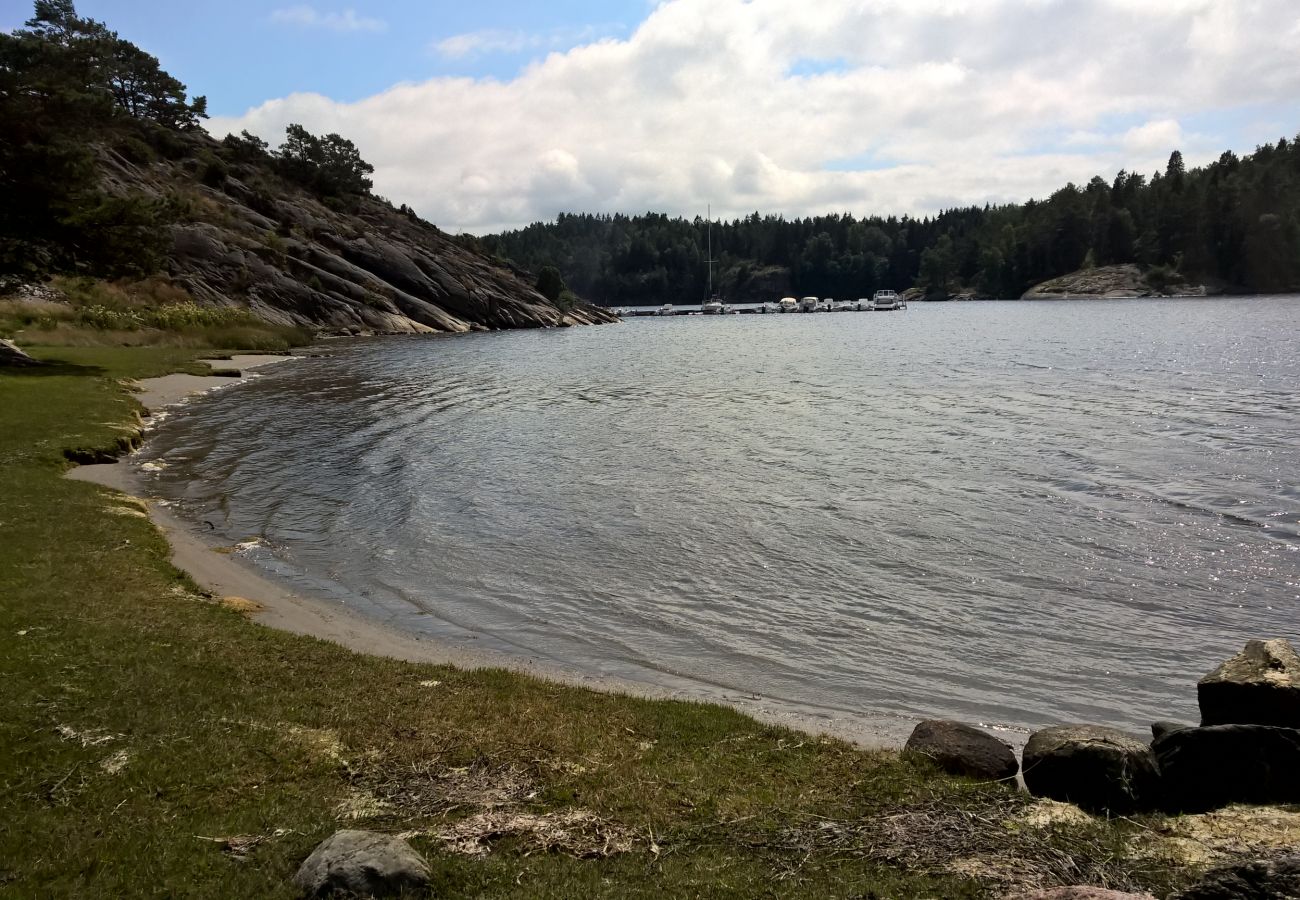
x=788 y=305
x=843 y=306
x=767 y=307
x=808 y=304
x=665 y=310
x=885 y=300
x=714 y=307
x=862 y=304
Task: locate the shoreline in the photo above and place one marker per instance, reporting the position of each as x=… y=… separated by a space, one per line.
x=275 y=605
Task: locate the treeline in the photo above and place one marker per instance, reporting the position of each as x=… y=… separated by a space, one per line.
x=1235 y=222
x=72 y=91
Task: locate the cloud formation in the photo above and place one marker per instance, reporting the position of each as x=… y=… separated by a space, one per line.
x=888 y=106
x=494 y=40
x=304 y=16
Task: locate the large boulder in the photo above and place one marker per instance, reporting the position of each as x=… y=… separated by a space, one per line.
x=11 y=355
x=961 y=749
x=1207 y=768
x=1100 y=769
x=1258 y=686
x=1277 y=878
x=361 y=863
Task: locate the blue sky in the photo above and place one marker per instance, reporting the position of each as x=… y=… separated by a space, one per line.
x=242 y=52
x=492 y=115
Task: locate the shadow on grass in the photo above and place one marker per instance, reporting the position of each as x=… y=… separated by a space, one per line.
x=52 y=367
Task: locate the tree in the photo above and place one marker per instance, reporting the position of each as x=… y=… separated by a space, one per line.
x=331 y=165
x=550 y=284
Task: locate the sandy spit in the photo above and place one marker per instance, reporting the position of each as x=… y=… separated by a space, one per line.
x=274 y=605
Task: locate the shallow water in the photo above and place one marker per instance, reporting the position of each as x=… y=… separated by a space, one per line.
x=1013 y=513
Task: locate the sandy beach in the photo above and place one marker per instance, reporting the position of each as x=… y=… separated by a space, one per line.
x=228 y=578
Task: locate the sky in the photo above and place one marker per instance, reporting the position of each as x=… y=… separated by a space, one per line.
x=491 y=115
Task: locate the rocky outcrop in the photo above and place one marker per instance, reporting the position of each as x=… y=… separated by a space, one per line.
x=1258 y=686
x=1109 y=282
x=1100 y=769
x=10 y=355
x=1208 y=768
x=361 y=864
x=1262 y=880
x=961 y=749
x=248 y=238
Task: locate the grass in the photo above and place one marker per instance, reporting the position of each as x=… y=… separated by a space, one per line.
x=156 y=743
x=152 y=312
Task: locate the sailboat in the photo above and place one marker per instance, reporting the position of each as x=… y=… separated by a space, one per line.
x=714 y=305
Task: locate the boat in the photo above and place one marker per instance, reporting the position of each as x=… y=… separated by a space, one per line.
x=788 y=305
x=665 y=310
x=767 y=307
x=808 y=304
x=862 y=304
x=843 y=306
x=714 y=305
x=884 y=300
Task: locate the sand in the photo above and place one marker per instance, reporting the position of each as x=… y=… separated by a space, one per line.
x=269 y=603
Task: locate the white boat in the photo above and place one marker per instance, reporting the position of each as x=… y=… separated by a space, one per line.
x=862 y=304
x=767 y=307
x=842 y=306
x=808 y=304
x=787 y=305
x=714 y=307
x=665 y=310
x=884 y=300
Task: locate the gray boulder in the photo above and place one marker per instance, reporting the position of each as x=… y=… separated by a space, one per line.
x=1208 y=768
x=11 y=355
x=362 y=863
x=961 y=749
x=1100 y=769
x=1258 y=686
x=1277 y=879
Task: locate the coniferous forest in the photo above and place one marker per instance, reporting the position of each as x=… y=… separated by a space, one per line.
x=1233 y=224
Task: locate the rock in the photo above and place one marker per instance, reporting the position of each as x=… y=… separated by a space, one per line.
x=1160 y=729
x=11 y=355
x=1207 y=768
x=1278 y=879
x=1258 y=686
x=1079 y=892
x=362 y=863
x=961 y=749
x=1100 y=769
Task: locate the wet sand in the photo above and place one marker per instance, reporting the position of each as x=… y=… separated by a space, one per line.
x=224 y=575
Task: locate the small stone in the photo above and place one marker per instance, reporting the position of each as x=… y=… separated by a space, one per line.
x=1276 y=878
x=362 y=863
x=1100 y=769
x=961 y=749
x=1258 y=686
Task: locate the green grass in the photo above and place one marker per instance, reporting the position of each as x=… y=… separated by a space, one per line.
x=143 y=727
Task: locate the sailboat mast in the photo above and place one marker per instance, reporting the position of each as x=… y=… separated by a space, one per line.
x=709 y=295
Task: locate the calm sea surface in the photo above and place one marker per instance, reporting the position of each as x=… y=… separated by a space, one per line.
x=1014 y=513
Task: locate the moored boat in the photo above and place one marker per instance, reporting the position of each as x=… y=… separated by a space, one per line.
x=886 y=300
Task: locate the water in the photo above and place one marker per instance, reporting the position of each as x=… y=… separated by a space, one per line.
x=1016 y=513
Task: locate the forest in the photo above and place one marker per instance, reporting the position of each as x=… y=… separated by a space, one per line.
x=1233 y=224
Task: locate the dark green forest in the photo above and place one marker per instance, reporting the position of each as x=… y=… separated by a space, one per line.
x=1234 y=224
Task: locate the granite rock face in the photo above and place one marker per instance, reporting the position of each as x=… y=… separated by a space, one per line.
x=961 y=749
x=1125 y=280
x=1079 y=892
x=1100 y=769
x=1258 y=686
x=361 y=863
x=251 y=239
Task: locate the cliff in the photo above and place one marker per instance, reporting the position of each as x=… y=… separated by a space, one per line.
x=244 y=236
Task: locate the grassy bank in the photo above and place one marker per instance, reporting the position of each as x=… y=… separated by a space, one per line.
x=154 y=742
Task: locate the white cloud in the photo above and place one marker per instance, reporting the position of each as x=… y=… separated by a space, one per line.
x=494 y=40
x=951 y=101
x=305 y=16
